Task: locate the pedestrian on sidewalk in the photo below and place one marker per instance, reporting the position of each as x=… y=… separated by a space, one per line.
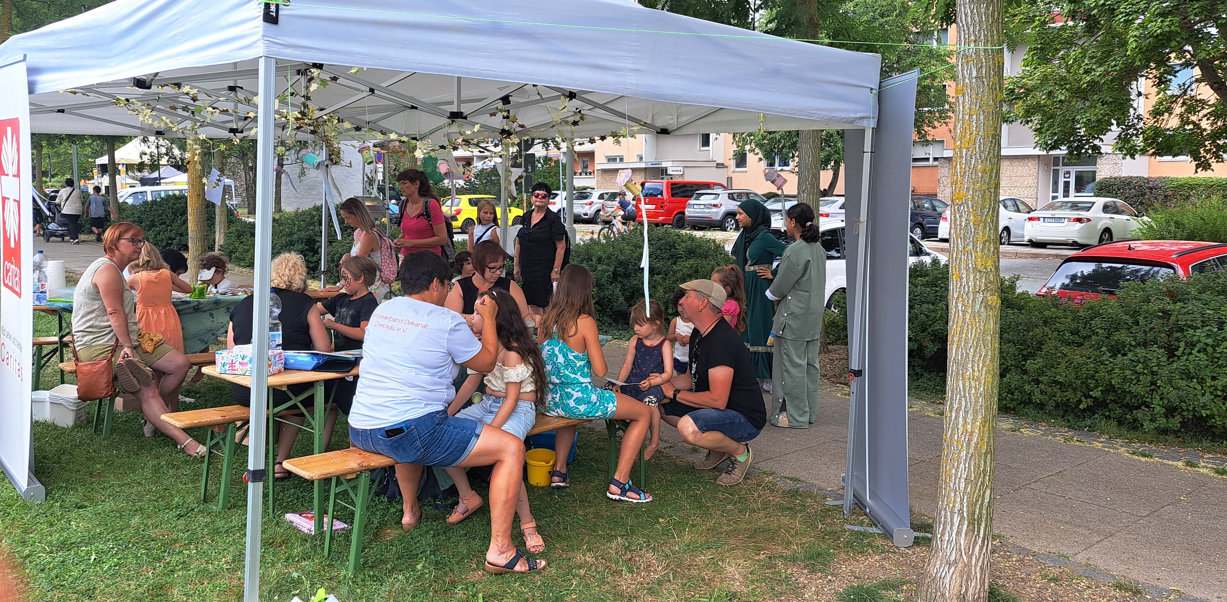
x=98 y=207
x=755 y=247
x=718 y=406
x=798 y=289
x=70 y=205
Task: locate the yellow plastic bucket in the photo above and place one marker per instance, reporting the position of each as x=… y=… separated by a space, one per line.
x=540 y=463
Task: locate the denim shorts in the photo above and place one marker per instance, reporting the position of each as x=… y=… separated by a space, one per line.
x=519 y=423
x=731 y=423
x=435 y=439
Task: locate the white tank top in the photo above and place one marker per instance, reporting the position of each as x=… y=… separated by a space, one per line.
x=681 y=352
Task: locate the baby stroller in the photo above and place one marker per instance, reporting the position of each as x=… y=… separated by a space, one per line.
x=55 y=225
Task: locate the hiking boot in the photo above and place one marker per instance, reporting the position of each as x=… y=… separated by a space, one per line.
x=711 y=460
x=736 y=470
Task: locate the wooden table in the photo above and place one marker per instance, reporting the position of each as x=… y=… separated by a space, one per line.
x=315 y=418
x=320 y=295
x=64 y=328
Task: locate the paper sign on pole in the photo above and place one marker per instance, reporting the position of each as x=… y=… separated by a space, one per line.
x=16 y=277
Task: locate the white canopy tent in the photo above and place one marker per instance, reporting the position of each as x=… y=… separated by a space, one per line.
x=435 y=70
x=139 y=150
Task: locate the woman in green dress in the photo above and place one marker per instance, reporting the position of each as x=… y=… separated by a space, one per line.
x=756 y=247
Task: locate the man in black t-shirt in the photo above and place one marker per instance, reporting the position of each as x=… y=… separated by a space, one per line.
x=718 y=406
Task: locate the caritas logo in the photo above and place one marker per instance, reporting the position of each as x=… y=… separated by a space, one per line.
x=10 y=195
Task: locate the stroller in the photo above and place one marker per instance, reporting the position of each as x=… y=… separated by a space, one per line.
x=47 y=213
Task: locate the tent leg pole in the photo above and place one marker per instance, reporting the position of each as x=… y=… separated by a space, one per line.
x=259 y=373
x=569 y=184
x=860 y=324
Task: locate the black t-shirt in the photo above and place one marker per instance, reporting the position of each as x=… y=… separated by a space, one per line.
x=349 y=312
x=722 y=346
x=295 y=311
x=538 y=243
x=468 y=291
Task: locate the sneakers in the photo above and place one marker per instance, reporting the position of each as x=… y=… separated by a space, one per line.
x=711 y=460
x=183 y=399
x=736 y=470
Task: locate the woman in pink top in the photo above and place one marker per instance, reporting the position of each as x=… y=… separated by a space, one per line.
x=421 y=218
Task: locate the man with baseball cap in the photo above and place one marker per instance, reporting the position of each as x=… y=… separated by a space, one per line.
x=718 y=406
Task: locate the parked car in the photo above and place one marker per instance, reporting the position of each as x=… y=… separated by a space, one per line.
x=1081 y=221
x=136 y=196
x=718 y=208
x=462 y=208
x=829 y=207
x=664 y=201
x=926 y=215
x=1011 y=218
x=587 y=203
x=1103 y=269
x=558 y=202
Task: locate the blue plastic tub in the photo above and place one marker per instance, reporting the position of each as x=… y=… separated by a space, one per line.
x=295 y=360
x=546 y=440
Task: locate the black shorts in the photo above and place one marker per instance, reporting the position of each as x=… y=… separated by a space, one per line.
x=97 y=222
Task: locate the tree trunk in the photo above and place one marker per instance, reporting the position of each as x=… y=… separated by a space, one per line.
x=196 y=217
x=223 y=210
x=112 y=175
x=277 y=188
x=6 y=19
x=830 y=189
x=38 y=168
x=809 y=166
x=958 y=564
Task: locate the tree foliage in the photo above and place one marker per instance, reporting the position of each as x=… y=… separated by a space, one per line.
x=20 y=16
x=1083 y=62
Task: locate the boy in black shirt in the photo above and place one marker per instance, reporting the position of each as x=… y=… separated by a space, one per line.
x=351 y=311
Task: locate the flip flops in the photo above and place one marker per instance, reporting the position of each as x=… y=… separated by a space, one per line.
x=510 y=566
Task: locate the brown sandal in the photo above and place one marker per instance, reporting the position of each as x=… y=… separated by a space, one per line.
x=533 y=542
x=470 y=508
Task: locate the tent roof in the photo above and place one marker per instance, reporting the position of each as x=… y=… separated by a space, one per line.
x=130 y=153
x=429 y=66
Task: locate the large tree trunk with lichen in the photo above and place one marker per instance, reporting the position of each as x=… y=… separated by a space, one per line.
x=6 y=19
x=38 y=168
x=276 y=189
x=958 y=566
x=809 y=166
x=112 y=176
x=223 y=210
x=197 y=223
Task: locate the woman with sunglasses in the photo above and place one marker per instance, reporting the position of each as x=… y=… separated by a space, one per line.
x=489 y=261
x=541 y=248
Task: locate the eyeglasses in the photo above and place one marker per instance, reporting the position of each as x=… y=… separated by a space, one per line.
x=496 y=268
x=540 y=195
x=135 y=241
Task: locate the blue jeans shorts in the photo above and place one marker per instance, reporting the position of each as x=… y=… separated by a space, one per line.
x=519 y=423
x=435 y=439
x=729 y=422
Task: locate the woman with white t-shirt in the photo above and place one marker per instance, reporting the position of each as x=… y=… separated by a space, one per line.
x=412 y=349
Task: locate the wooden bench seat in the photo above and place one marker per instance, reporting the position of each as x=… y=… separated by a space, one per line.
x=48 y=341
x=550 y=423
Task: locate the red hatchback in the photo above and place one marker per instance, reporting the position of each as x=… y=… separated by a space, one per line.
x=1103 y=269
x=665 y=200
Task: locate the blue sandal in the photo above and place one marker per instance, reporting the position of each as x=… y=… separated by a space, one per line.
x=563 y=484
x=626 y=488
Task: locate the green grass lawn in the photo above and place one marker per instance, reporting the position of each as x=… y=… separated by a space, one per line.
x=122 y=521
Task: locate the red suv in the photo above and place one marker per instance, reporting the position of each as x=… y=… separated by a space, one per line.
x=665 y=200
x=1103 y=269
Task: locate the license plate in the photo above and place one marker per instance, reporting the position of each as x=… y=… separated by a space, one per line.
x=1054 y=220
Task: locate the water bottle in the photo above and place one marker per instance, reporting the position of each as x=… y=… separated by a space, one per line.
x=40 y=279
x=274 y=325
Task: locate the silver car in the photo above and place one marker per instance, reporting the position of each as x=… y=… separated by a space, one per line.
x=718 y=208
x=587 y=203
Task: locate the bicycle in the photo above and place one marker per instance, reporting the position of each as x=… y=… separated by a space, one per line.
x=612 y=229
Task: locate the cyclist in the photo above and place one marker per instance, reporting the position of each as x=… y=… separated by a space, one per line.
x=628 y=211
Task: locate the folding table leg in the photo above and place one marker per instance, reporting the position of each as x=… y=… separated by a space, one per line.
x=108 y=413
x=208 y=464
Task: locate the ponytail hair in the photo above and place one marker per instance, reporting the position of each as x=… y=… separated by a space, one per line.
x=425 y=190
x=803 y=214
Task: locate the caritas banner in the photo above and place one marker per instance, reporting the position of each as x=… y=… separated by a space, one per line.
x=16 y=298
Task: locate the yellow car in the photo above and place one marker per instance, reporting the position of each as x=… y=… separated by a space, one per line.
x=463 y=210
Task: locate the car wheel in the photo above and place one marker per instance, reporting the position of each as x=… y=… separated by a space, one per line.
x=830 y=306
x=1038 y=245
x=1004 y=237
x=918 y=231
x=730 y=223
x=46 y=234
x=1105 y=236
x=515 y=221
x=679 y=221
x=466 y=225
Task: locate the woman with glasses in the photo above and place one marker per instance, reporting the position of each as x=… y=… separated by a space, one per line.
x=489 y=261
x=104 y=325
x=541 y=247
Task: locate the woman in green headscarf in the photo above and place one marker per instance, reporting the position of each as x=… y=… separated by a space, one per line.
x=756 y=247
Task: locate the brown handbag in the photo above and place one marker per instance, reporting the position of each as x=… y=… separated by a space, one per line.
x=95 y=379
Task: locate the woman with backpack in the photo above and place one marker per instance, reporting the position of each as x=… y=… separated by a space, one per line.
x=422 y=223
x=369 y=241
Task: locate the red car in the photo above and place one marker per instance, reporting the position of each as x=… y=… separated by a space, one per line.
x=1103 y=269
x=665 y=200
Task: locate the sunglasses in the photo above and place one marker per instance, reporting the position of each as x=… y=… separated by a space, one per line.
x=540 y=195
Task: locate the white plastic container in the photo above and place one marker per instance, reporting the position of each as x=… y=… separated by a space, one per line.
x=59 y=405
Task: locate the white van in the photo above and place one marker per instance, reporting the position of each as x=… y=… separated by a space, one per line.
x=136 y=196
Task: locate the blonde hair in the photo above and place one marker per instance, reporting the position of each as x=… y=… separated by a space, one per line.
x=481 y=205
x=289 y=271
x=149 y=261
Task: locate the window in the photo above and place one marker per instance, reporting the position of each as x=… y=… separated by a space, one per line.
x=653 y=190
x=829 y=239
x=754 y=195
x=740 y=159
x=775 y=162
x=1083 y=162
x=1125 y=209
x=682 y=191
x=927 y=153
x=583 y=165
x=704 y=141
x=1214 y=264
x=941 y=37
x=639 y=157
x=938 y=205
x=1009 y=205
x=1082 y=206
x=136 y=198
x=1102 y=277
x=613 y=158
x=1181 y=79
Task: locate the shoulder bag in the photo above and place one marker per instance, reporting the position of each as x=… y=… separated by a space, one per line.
x=95 y=379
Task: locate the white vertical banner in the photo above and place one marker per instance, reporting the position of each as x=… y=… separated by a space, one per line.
x=16 y=278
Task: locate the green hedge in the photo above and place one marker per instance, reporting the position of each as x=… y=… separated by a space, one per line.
x=1201 y=220
x=1149 y=194
x=675 y=257
x=1153 y=360
x=165 y=221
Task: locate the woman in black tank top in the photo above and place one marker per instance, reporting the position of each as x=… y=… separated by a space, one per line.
x=489 y=260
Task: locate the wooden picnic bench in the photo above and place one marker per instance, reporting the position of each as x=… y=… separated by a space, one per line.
x=106 y=407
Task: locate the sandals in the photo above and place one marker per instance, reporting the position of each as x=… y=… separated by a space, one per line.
x=470 y=508
x=132 y=375
x=533 y=542
x=563 y=484
x=510 y=566
x=281 y=475
x=626 y=488
x=200 y=452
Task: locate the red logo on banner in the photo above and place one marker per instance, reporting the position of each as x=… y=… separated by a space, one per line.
x=10 y=205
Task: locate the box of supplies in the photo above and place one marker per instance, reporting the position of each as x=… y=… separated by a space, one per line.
x=238 y=361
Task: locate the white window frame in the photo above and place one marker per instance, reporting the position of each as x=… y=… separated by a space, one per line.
x=710 y=137
x=745 y=161
x=614 y=159
x=775 y=163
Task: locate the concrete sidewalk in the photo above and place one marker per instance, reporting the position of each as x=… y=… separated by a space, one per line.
x=1147 y=520
x=78 y=257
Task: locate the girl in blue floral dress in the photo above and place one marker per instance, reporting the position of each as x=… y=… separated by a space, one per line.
x=572 y=350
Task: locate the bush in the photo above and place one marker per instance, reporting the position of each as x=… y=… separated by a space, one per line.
x=675 y=258
x=165 y=221
x=1149 y=194
x=1202 y=220
x=297 y=231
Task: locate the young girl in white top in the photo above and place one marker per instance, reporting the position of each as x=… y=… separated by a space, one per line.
x=517 y=377
x=679 y=336
x=487 y=225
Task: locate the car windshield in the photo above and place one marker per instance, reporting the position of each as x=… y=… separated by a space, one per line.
x=1082 y=206
x=654 y=189
x=778 y=204
x=1102 y=276
x=707 y=196
x=829 y=202
x=583 y=196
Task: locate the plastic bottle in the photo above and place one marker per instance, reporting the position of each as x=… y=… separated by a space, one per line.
x=274 y=325
x=40 y=279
